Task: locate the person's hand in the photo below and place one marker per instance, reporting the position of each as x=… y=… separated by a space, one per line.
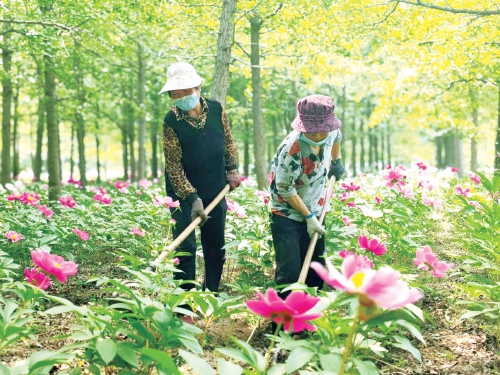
x=197 y=209
x=313 y=225
x=233 y=178
x=336 y=169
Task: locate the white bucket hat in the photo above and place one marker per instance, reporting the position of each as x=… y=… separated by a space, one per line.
x=181 y=75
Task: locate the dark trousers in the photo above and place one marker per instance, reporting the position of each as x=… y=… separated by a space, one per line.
x=212 y=241
x=291 y=241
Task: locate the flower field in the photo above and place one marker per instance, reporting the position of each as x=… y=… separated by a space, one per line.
x=401 y=244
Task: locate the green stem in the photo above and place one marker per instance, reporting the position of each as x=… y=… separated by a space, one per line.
x=349 y=342
x=271 y=346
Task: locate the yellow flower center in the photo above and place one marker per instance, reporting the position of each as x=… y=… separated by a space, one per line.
x=357 y=279
x=57 y=265
x=30 y=198
x=14 y=236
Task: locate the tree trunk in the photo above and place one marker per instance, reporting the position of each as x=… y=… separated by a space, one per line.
x=362 y=166
x=258 y=123
x=382 y=146
x=154 y=131
x=97 y=143
x=125 y=149
x=80 y=123
x=459 y=154
x=53 y=160
x=40 y=127
x=131 y=135
x=370 y=148
x=246 y=152
x=474 y=164
x=15 y=134
x=353 y=150
x=388 y=143
x=142 y=114
x=220 y=79
x=5 y=175
x=375 y=149
x=497 y=140
x=449 y=150
x=71 y=153
x=439 y=151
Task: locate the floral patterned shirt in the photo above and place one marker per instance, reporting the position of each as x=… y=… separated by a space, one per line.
x=296 y=169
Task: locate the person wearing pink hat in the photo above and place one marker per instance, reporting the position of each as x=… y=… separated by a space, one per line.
x=299 y=171
x=200 y=158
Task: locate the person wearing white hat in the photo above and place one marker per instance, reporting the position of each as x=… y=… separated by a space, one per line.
x=200 y=158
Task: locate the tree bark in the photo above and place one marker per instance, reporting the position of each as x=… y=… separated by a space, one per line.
x=53 y=161
x=353 y=145
x=97 y=143
x=258 y=123
x=362 y=166
x=220 y=79
x=375 y=149
x=80 y=130
x=474 y=165
x=5 y=175
x=388 y=143
x=459 y=153
x=131 y=135
x=370 y=149
x=40 y=127
x=246 y=148
x=142 y=114
x=15 y=134
x=497 y=140
x=439 y=151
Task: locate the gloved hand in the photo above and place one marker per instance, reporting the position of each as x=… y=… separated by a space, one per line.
x=233 y=178
x=336 y=169
x=313 y=225
x=197 y=209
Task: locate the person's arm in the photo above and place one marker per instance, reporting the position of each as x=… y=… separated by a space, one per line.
x=173 y=164
x=230 y=149
x=230 y=154
x=336 y=151
x=298 y=204
x=336 y=167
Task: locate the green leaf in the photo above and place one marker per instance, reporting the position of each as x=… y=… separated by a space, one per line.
x=106 y=349
x=198 y=364
x=278 y=369
x=125 y=351
x=94 y=369
x=404 y=343
x=412 y=329
x=228 y=368
x=235 y=354
x=365 y=367
x=298 y=358
x=330 y=361
x=5 y=370
x=165 y=362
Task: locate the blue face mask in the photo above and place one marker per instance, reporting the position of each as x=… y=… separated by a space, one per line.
x=312 y=143
x=187 y=102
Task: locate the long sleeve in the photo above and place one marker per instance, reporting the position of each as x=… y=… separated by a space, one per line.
x=173 y=163
x=231 y=152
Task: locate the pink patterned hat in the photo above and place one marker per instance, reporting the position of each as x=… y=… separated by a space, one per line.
x=316 y=115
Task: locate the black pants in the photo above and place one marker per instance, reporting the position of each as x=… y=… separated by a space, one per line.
x=291 y=241
x=212 y=241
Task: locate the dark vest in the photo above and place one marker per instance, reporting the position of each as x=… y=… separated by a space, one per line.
x=202 y=151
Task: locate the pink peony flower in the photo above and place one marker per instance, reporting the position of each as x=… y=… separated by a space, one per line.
x=81 y=233
x=475 y=178
x=176 y=261
x=437 y=204
x=394 y=176
x=293 y=312
x=345 y=252
x=67 y=201
x=29 y=198
x=463 y=192
x=346 y=221
x=421 y=166
x=351 y=204
x=37 y=278
x=426 y=260
x=378 y=200
x=172 y=221
x=236 y=208
x=351 y=186
x=54 y=264
x=103 y=198
x=374 y=288
x=407 y=192
x=166 y=201
x=14 y=196
x=137 y=231
x=46 y=211
x=454 y=169
x=427 y=184
x=121 y=185
x=138 y=192
x=14 y=236
x=344 y=197
x=144 y=183
x=476 y=205
x=373 y=245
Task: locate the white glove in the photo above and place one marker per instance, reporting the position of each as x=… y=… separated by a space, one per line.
x=313 y=225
